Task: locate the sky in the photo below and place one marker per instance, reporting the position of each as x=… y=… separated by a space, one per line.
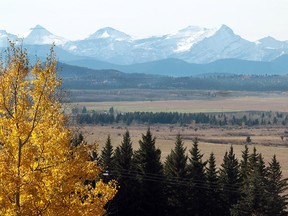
x=77 y=19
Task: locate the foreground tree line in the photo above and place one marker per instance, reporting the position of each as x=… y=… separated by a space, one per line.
x=43 y=171
x=185 y=184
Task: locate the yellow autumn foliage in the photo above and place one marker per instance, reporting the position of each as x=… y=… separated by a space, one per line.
x=40 y=172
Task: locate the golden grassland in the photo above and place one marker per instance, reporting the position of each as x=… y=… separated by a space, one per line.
x=267 y=140
x=271 y=102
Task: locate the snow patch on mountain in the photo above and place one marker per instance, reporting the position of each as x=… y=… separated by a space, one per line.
x=72 y=48
x=190 y=36
x=109 y=33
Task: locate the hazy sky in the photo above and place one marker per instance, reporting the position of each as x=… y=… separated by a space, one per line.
x=76 y=19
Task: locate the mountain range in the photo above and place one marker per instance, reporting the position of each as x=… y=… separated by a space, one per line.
x=192 y=45
x=191 y=51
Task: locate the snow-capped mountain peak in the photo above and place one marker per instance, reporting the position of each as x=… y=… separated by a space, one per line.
x=269 y=41
x=36 y=32
x=109 y=33
x=225 y=28
x=222 y=31
x=223 y=34
x=40 y=35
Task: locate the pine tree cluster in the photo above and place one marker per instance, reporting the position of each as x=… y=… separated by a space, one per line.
x=185 y=184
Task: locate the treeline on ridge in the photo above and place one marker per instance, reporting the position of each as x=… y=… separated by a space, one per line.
x=111 y=79
x=185 y=184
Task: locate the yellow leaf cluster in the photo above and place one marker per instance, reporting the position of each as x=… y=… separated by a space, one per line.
x=40 y=172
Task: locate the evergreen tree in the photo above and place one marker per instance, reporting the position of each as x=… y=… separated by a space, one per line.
x=150 y=177
x=123 y=155
x=277 y=186
x=106 y=158
x=106 y=162
x=244 y=174
x=84 y=110
x=254 y=196
x=124 y=175
x=244 y=165
x=230 y=181
x=197 y=193
x=213 y=189
x=248 y=139
x=175 y=170
x=257 y=191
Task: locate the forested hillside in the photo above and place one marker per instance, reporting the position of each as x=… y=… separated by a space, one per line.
x=84 y=78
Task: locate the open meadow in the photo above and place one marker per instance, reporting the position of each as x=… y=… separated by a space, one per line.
x=199 y=101
x=268 y=140
x=211 y=139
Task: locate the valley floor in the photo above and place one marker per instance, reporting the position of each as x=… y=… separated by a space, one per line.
x=267 y=140
x=181 y=101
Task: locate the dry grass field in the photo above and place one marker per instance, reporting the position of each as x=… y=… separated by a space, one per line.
x=269 y=102
x=218 y=140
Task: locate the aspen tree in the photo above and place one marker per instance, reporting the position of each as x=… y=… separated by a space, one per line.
x=41 y=173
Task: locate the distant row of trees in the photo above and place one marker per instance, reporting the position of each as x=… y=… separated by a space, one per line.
x=185 y=184
x=254 y=119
